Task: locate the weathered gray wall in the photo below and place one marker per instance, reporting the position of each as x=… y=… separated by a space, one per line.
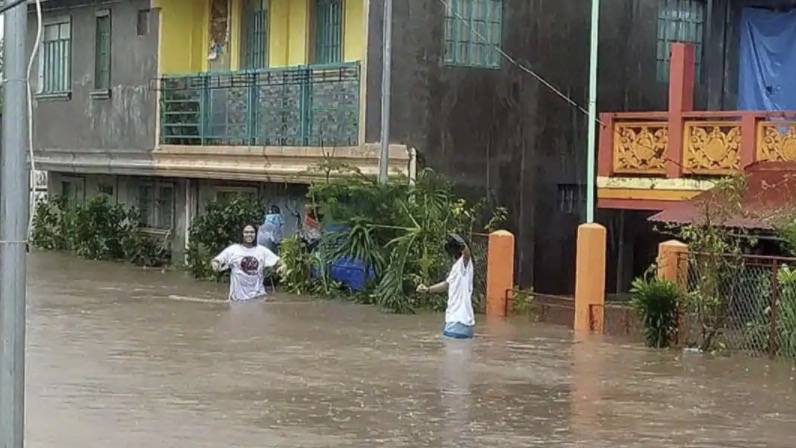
x=501 y=135
x=126 y=121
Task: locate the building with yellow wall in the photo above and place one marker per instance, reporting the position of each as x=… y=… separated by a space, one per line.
x=289 y=31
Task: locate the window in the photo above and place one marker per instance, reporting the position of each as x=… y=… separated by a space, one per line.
x=105 y=189
x=571 y=198
x=226 y=195
x=142 y=27
x=56 y=57
x=72 y=190
x=679 y=21
x=328 y=31
x=156 y=205
x=102 y=51
x=69 y=192
x=473 y=28
x=255 y=38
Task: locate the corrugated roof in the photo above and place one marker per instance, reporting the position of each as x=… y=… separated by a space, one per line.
x=770 y=195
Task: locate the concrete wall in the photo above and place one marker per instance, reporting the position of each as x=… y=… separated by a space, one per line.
x=501 y=135
x=127 y=120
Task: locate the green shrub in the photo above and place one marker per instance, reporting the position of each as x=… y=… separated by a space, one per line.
x=657 y=302
x=400 y=230
x=786 y=312
x=97 y=230
x=50 y=225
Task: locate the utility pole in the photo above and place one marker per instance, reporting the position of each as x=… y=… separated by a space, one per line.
x=14 y=183
x=386 y=84
x=595 y=40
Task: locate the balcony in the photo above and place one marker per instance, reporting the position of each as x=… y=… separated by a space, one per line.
x=649 y=159
x=307 y=106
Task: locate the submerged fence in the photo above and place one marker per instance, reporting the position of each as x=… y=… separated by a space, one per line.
x=479 y=249
x=316 y=105
x=739 y=303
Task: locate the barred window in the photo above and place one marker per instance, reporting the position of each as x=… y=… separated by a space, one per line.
x=56 y=57
x=328 y=31
x=255 y=39
x=156 y=205
x=473 y=28
x=102 y=51
x=679 y=21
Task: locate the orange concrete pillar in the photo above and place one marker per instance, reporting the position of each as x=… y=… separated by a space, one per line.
x=590 y=278
x=671 y=259
x=499 y=272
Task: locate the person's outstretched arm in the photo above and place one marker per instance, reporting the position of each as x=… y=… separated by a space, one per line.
x=439 y=288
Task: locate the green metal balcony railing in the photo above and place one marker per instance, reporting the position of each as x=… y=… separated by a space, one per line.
x=296 y=106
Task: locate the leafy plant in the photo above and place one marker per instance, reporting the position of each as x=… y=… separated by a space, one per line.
x=656 y=300
x=98 y=230
x=399 y=231
x=786 y=312
x=521 y=301
x=49 y=224
x=716 y=249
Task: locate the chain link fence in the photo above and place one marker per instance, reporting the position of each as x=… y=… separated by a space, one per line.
x=479 y=247
x=739 y=303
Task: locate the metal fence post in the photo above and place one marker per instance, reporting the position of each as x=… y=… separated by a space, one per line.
x=203 y=101
x=252 y=112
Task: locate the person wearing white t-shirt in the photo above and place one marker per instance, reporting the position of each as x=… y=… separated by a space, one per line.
x=247 y=263
x=459 y=316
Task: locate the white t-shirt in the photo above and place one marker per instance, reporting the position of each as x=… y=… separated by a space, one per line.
x=247 y=265
x=460 y=294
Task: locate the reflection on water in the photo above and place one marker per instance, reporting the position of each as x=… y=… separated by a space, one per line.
x=124 y=357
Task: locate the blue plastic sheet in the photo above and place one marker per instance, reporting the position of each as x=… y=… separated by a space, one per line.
x=767 y=68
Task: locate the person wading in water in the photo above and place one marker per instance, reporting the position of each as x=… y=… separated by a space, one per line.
x=247 y=262
x=459 y=317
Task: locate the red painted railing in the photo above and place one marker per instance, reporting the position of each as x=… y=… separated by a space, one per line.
x=683 y=142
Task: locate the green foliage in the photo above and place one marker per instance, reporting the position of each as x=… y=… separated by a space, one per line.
x=657 y=302
x=716 y=255
x=50 y=224
x=759 y=332
x=296 y=266
x=97 y=230
x=521 y=301
x=220 y=225
x=398 y=230
x=786 y=312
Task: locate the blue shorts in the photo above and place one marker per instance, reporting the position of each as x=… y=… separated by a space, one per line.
x=458 y=330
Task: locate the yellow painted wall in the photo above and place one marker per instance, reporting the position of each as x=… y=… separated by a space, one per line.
x=278 y=33
x=287 y=38
x=297 y=29
x=235 y=21
x=185 y=27
x=183 y=33
x=354 y=29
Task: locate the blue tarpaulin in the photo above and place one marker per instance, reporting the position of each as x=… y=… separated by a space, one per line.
x=767 y=68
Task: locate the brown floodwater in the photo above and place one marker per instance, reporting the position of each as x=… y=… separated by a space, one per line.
x=122 y=357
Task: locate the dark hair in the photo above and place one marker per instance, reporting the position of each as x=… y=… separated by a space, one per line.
x=455 y=245
x=274 y=209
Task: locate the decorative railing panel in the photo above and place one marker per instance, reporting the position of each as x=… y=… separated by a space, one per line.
x=640 y=147
x=712 y=147
x=776 y=141
x=297 y=106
